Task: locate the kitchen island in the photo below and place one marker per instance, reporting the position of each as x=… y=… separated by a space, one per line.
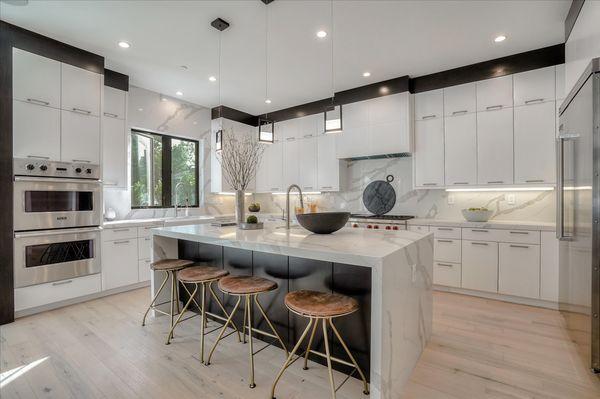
x=388 y=272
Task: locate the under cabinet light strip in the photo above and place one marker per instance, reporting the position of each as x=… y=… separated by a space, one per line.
x=482 y=189
x=303 y=192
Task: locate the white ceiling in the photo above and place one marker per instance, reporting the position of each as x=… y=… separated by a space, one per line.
x=387 y=38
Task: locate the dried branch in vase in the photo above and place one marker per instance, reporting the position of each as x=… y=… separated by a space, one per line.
x=240 y=157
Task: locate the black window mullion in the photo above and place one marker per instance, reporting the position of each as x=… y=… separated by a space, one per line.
x=166 y=171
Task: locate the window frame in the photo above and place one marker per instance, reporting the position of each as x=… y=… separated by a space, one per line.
x=166 y=170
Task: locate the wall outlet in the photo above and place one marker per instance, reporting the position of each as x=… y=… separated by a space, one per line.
x=450 y=199
x=511 y=199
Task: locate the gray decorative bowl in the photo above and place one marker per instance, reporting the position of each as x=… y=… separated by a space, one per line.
x=477 y=216
x=323 y=222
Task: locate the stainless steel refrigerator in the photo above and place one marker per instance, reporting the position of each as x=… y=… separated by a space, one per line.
x=578 y=214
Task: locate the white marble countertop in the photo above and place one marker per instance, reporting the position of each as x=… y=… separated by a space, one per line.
x=154 y=221
x=490 y=224
x=351 y=246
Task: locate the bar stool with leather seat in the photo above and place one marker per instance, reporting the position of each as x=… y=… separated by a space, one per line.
x=203 y=276
x=169 y=267
x=321 y=307
x=247 y=287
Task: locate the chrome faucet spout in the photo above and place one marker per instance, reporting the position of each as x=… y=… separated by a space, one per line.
x=287 y=203
x=176 y=198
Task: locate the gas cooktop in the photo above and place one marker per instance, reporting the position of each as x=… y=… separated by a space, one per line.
x=380 y=217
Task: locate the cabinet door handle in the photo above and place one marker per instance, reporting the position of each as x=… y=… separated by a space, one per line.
x=464 y=111
x=496 y=182
x=308 y=188
x=62 y=282
x=146 y=239
x=81 y=111
x=122 y=242
x=494 y=107
x=445 y=264
x=37 y=156
x=479 y=231
x=519 y=232
x=120 y=230
x=445 y=228
x=536 y=100
x=307 y=136
x=81 y=160
x=111 y=115
x=430 y=184
x=327 y=187
x=460 y=182
x=480 y=243
x=448 y=241
x=428 y=116
x=290 y=139
x=36 y=101
x=520 y=246
x=535 y=181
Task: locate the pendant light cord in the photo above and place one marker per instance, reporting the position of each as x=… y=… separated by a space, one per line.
x=219 y=77
x=332 y=73
x=266 y=58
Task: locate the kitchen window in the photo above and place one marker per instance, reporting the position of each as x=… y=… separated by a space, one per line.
x=163 y=168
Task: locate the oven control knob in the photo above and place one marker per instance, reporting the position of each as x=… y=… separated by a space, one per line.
x=376 y=227
x=354 y=225
x=388 y=228
x=30 y=166
x=88 y=171
x=395 y=228
x=43 y=167
x=78 y=170
x=369 y=226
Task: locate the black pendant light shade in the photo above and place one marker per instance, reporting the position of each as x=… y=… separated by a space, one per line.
x=266 y=130
x=333 y=119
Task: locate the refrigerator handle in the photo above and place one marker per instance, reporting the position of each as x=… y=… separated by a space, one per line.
x=559 y=188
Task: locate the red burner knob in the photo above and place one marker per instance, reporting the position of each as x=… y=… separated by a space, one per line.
x=388 y=228
x=369 y=226
x=376 y=227
x=395 y=228
x=355 y=225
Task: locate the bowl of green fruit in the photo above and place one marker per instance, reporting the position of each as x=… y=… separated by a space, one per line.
x=477 y=214
x=252 y=223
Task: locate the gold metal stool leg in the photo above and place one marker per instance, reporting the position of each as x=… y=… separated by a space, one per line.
x=249 y=306
x=155 y=298
x=262 y=310
x=329 y=369
x=362 y=376
x=172 y=300
x=223 y=329
x=187 y=304
x=212 y=292
x=202 y=322
x=310 y=341
x=291 y=355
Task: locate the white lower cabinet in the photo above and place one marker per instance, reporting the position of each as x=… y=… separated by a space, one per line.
x=420 y=229
x=480 y=265
x=519 y=270
x=144 y=269
x=44 y=294
x=144 y=247
x=119 y=263
x=447 y=250
x=549 y=266
x=446 y=273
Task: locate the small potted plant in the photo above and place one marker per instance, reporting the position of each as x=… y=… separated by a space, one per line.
x=252 y=223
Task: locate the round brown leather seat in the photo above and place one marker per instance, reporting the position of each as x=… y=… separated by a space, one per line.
x=170 y=264
x=200 y=274
x=244 y=285
x=320 y=304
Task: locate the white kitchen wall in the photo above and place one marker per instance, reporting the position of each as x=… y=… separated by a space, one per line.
x=146 y=110
x=528 y=206
x=583 y=43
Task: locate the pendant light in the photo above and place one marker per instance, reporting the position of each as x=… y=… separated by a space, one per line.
x=333 y=113
x=220 y=25
x=266 y=127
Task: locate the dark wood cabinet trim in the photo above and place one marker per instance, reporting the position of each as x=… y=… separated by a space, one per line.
x=116 y=80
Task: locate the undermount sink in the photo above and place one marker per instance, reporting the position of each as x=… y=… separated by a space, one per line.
x=323 y=222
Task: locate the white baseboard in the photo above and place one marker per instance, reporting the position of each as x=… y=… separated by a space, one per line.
x=540 y=303
x=73 y=301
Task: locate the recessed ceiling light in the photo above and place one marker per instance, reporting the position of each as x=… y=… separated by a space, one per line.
x=179 y=93
x=212 y=78
x=321 y=34
x=366 y=74
x=163 y=99
x=195 y=122
x=124 y=44
x=140 y=109
x=267 y=101
x=500 y=38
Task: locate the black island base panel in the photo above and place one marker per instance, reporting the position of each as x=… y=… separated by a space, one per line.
x=292 y=274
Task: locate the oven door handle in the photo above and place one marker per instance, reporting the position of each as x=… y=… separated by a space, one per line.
x=57 y=232
x=56 y=180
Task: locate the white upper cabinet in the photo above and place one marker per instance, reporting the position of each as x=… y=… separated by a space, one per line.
x=429 y=105
x=496 y=93
x=115 y=101
x=80 y=140
x=307 y=148
x=534 y=86
x=429 y=153
x=291 y=161
x=389 y=122
x=80 y=90
x=36 y=131
x=461 y=99
x=36 y=79
x=495 y=146
x=534 y=143
x=460 y=134
x=114 y=154
x=328 y=166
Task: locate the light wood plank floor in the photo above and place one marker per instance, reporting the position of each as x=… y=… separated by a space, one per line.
x=480 y=349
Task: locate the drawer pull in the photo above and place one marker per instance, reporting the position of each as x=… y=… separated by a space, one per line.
x=449 y=241
x=445 y=264
x=430 y=184
x=519 y=232
x=520 y=246
x=81 y=111
x=479 y=231
x=36 y=101
x=308 y=188
x=120 y=230
x=111 y=115
x=535 y=181
x=327 y=187
x=81 y=160
x=428 y=116
x=480 y=243
x=290 y=139
x=122 y=242
x=496 y=182
x=536 y=100
x=307 y=136
x=146 y=239
x=464 y=111
x=37 y=156
x=62 y=282
x=460 y=182
x=445 y=228
x=494 y=107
